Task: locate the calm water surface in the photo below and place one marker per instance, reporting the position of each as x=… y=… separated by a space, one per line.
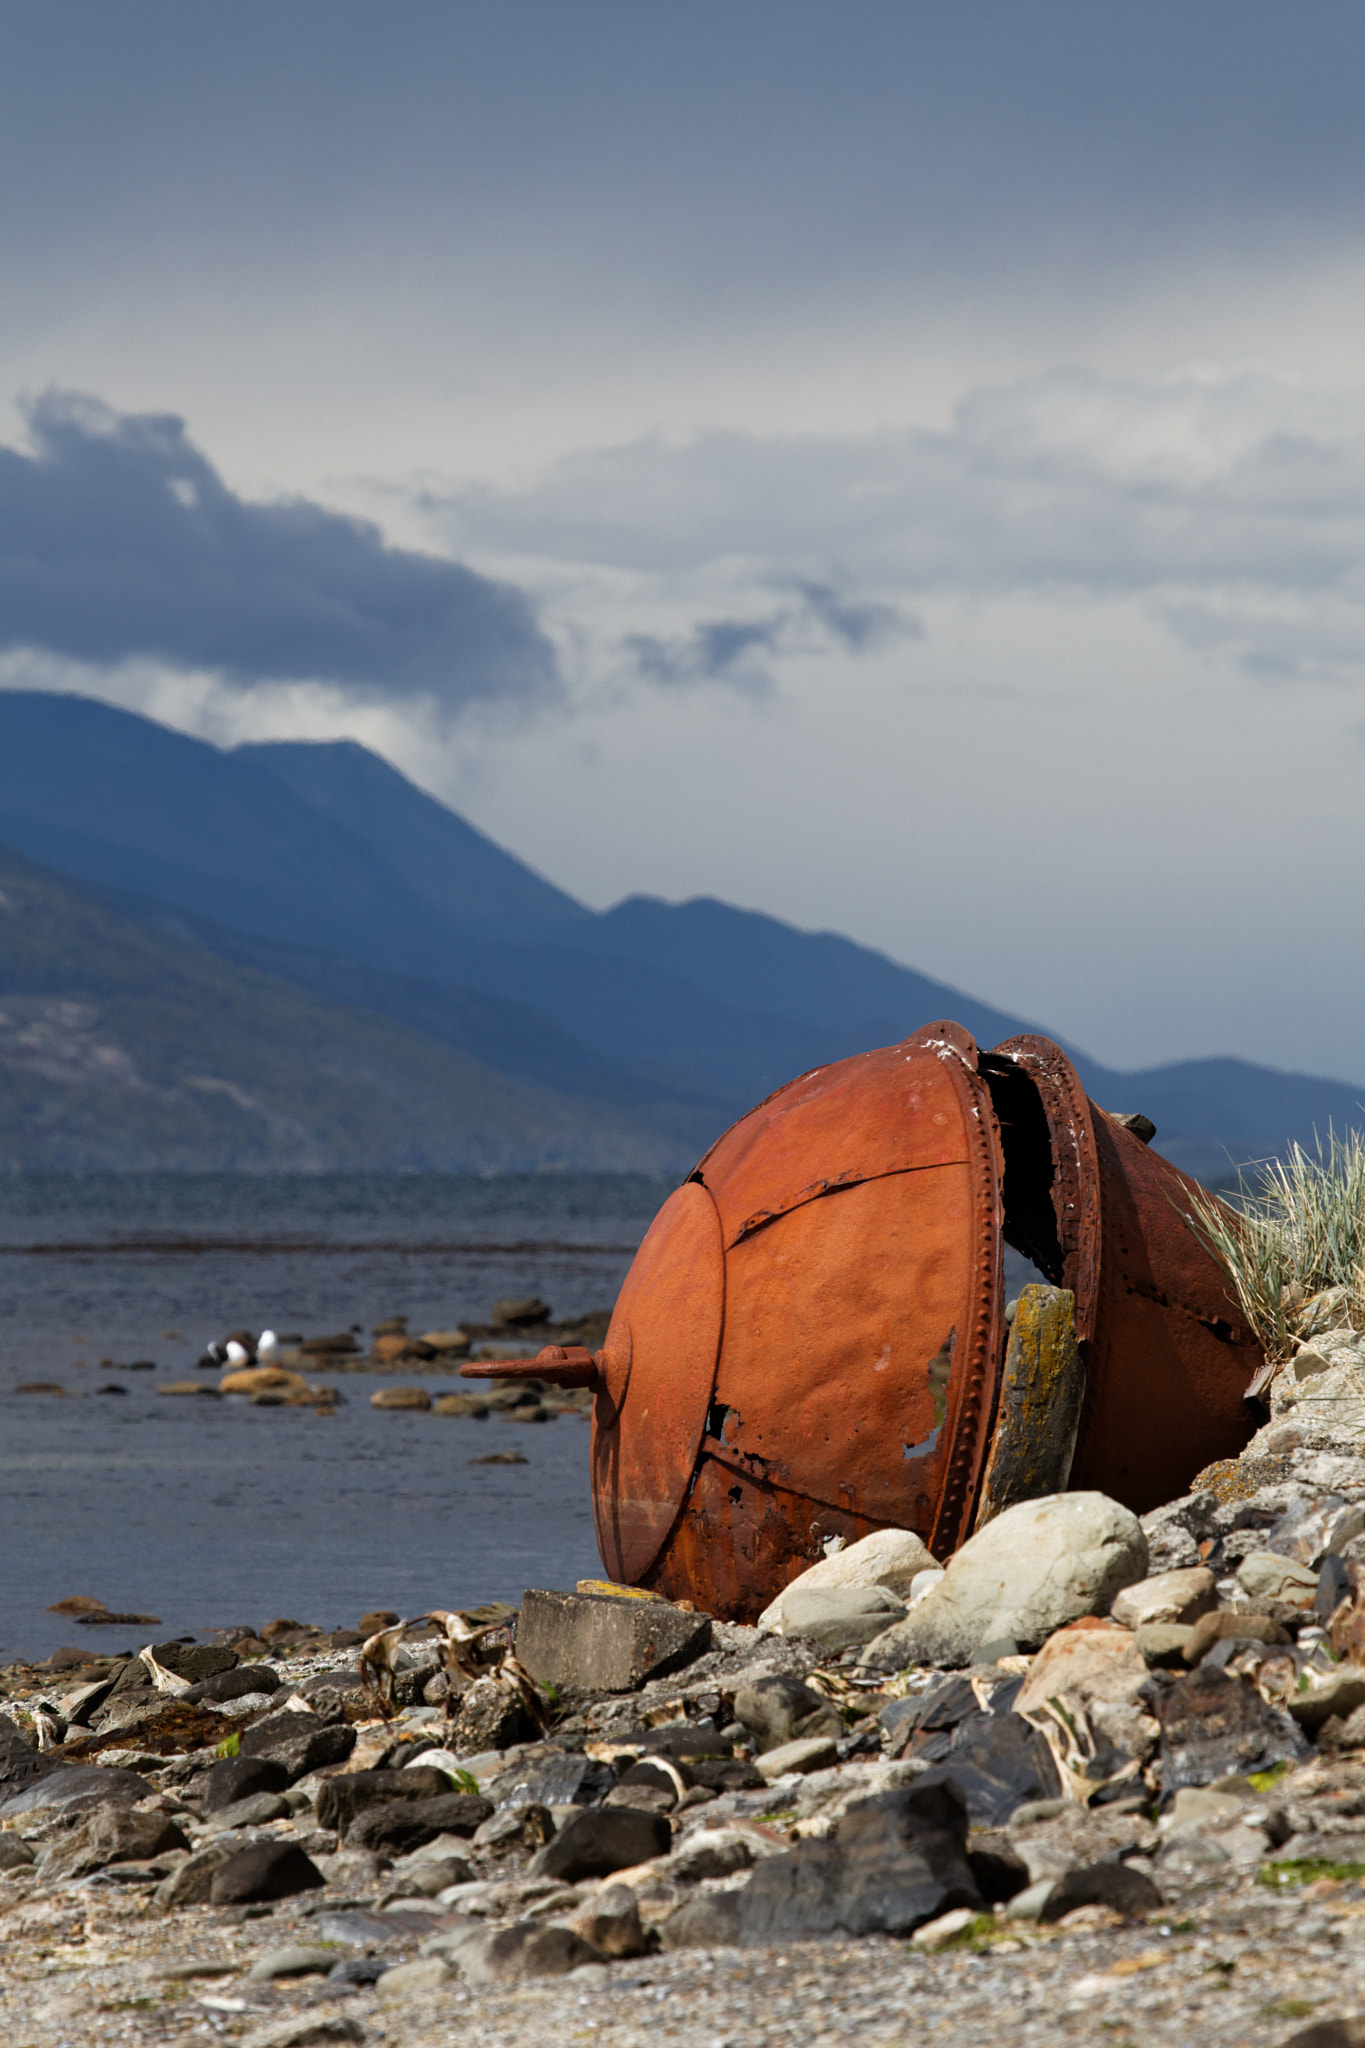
x=209 y=1514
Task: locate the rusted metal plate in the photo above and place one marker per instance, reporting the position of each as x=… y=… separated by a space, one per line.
x=862 y=1336
x=895 y=1110
x=655 y=1375
x=739 y=1532
x=1170 y=1359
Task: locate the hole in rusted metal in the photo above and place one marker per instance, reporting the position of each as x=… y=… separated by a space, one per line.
x=1030 y=1225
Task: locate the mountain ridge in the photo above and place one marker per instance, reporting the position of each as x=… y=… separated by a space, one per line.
x=319 y=865
x=126 y=1047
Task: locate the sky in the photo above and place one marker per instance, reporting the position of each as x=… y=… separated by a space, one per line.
x=896 y=466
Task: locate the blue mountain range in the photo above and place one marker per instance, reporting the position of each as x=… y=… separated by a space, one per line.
x=318 y=867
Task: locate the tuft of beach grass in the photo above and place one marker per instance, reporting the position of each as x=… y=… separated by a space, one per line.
x=1291 y=1239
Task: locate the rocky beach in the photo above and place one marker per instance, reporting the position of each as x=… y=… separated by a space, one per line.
x=1101 y=1777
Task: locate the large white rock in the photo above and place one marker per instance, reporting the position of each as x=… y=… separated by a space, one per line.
x=1170 y=1596
x=839 y=1617
x=1027 y=1573
x=888 y=1557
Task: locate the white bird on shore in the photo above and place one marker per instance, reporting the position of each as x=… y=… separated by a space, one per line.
x=236 y=1353
x=267 y=1341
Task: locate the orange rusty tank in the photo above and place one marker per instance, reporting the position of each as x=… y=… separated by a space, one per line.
x=811 y=1340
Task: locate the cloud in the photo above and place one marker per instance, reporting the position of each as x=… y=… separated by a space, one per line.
x=716 y=651
x=119 y=541
x=1229 y=502
x=858 y=624
x=724 y=650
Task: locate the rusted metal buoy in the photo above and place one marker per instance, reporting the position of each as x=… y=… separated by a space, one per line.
x=811 y=1342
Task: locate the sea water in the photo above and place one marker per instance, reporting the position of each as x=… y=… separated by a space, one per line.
x=211 y=1514
x=215 y=1514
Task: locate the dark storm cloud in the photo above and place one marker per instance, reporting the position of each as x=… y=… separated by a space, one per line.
x=119 y=539
x=831 y=139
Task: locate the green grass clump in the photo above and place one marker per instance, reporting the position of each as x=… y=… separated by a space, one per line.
x=981 y=1933
x=1292 y=1242
x=1308 y=1870
x=231 y=1745
x=1261 y=1781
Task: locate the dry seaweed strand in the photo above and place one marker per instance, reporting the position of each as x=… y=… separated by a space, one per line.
x=463 y=1653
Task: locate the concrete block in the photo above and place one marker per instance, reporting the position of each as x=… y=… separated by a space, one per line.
x=603 y=1644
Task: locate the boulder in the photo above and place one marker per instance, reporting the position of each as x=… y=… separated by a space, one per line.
x=291 y=1961
x=1213 y=1726
x=262 y=1379
x=727 y=1774
x=838 y=1617
x=522 y=1313
x=111 y=1835
x=999 y=1762
x=192 y=1883
x=514 y=1830
x=1027 y=1573
x=599 y=1840
x=423 y=1879
x=412 y=1980
x=1075 y=1836
x=340 y=1799
x=241 y=1777
x=401 y=1825
x=557 y=1779
x=257 y=1810
x=1339 y=1693
x=262 y=1871
x=777 y=1710
x=401 y=1397
x=715 y=1852
x=491 y=1716
x=526 y=1949
x=301 y=1742
x=1269 y=1575
x=1180 y=1596
x=22 y=1763
x=891 y=1864
x=1162 y=1643
x=610 y=1922
x=1218 y=1627
x=655 y=1785
x=237 y=1684
x=1123 y=1890
x=604 y=1644
x=888 y=1557
x=811 y=1753
x=1314 y=1529
x=91 y=1784
x=1105 y=1670
x=195 y=1661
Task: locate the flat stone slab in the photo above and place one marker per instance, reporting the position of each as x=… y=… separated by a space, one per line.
x=811 y=1753
x=603 y=1644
